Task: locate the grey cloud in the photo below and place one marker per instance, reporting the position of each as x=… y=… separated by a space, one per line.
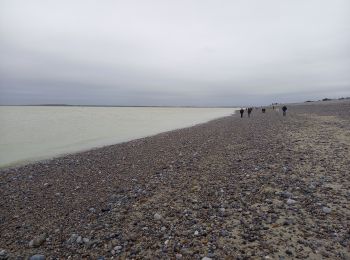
x=173 y=52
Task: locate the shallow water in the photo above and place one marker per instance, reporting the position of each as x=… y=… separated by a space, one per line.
x=29 y=133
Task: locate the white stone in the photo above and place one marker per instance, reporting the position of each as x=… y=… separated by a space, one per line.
x=117 y=248
x=290 y=201
x=326 y=210
x=37 y=257
x=2 y=252
x=157 y=216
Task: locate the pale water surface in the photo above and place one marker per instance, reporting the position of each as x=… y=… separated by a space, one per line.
x=41 y=132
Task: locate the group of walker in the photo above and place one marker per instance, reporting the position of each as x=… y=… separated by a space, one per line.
x=263 y=110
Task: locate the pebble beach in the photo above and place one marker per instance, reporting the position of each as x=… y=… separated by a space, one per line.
x=265 y=187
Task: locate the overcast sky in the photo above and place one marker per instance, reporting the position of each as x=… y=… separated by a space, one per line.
x=179 y=52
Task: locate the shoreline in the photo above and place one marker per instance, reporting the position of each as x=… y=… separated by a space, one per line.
x=265 y=186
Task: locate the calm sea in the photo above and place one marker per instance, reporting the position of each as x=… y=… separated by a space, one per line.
x=30 y=133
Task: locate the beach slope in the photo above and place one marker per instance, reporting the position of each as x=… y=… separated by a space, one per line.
x=266 y=186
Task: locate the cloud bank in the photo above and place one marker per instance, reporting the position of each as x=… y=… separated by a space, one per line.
x=202 y=53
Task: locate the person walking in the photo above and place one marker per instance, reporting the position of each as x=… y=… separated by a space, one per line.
x=284 y=109
x=249 y=111
x=241 y=111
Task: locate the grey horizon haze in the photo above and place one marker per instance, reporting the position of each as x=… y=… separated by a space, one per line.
x=176 y=53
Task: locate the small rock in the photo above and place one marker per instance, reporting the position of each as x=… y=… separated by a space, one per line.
x=38 y=241
x=72 y=239
x=288 y=252
x=312 y=186
x=86 y=240
x=3 y=254
x=37 y=257
x=157 y=216
x=288 y=222
x=118 y=248
x=178 y=256
x=291 y=201
x=92 y=210
x=224 y=233
x=163 y=229
x=115 y=242
x=206 y=258
x=286 y=194
x=92 y=243
x=79 y=240
x=196 y=233
x=326 y=210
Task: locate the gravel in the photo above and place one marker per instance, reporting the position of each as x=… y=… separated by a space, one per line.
x=231 y=188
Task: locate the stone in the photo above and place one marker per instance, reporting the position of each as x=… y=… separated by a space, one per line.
x=38 y=241
x=196 y=233
x=117 y=248
x=157 y=216
x=206 y=258
x=286 y=194
x=3 y=254
x=312 y=186
x=37 y=257
x=326 y=210
x=115 y=242
x=86 y=240
x=224 y=233
x=79 y=240
x=291 y=201
x=288 y=222
x=72 y=239
x=288 y=252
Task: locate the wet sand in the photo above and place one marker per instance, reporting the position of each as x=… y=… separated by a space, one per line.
x=268 y=187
